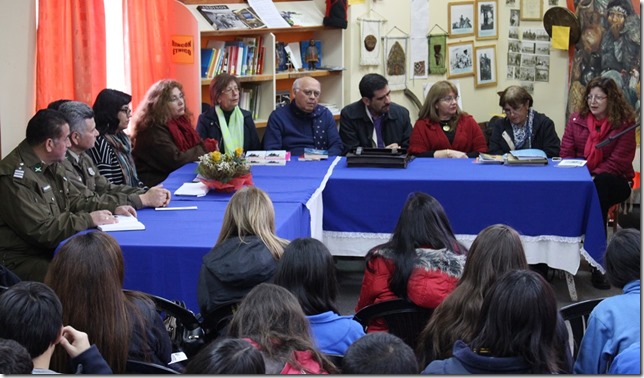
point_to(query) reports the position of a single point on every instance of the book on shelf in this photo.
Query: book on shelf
(282, 98)
(293, 54)
(300, 14)
(124, 223)
(280, 56)
(317, 45)
(531, 156)
(250, 18)
(221, 17)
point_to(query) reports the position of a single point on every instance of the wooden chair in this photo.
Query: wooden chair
(403, 318)
(215, 323)
(576, 316)
(140, 367)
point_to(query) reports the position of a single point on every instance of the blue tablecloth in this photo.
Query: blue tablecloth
(535, 200)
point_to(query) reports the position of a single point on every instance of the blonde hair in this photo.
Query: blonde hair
(435, 94)
(250, 213)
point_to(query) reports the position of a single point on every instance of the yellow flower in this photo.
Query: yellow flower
(215, 156)
(238, 151)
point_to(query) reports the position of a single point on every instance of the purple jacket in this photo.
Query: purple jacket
(618, 155)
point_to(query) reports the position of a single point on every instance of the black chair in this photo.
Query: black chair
(140, 367)
(215, 323)
(336, 359)
(403, 318)
(576, 315)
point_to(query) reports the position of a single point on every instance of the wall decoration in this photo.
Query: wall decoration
(459, 59)
(485, 61)
(395, 59)
(461, 19)
(437, 52)
(486, 19)
(371, 43)
(531, 10)
(418, 29)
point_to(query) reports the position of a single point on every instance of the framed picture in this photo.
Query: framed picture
(486, 19)
(531, 10)
(485, 61)
(460, 60)
(461, 19)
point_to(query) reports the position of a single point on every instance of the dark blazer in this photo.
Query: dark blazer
(356, 128)
(544, 136)
(208, 127)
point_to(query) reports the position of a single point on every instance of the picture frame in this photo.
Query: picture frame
(485, 63)
(460, 60)
(461, 19)
(531, 10)
(486, 19)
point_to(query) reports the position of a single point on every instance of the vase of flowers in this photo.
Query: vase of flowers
(224, 172)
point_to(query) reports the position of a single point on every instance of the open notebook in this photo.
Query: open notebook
(125, 223)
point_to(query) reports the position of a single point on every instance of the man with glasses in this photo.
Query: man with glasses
(374, 121)
(303, 123)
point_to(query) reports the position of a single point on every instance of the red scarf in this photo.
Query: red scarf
(184, 135)
(593, 155)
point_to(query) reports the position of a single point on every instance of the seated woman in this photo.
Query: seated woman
(246, 252)
(227, 356)
(112, 151)
(225, 121)
(614, 324)
(522, 127)
(421, 262)
(163, 137)
(87, 275)
(443, 130)
(271, 319)
(307, 270)
(515, 333)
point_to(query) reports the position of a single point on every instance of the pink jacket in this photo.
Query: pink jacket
(427, 136)
(618, 155)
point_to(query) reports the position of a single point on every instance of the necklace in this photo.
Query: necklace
(446, 126)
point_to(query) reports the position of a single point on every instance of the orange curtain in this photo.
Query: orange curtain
(148, 25)
(70, 50)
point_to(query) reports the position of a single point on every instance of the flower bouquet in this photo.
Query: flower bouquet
(223, 172)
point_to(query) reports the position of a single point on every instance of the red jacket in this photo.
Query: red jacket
(432, 280)
(428, 135)
(618, 155)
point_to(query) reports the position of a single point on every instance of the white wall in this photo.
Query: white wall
(549, 98)
(17, 70)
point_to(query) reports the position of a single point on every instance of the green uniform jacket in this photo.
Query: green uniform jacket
(84, 174)
(39, 208)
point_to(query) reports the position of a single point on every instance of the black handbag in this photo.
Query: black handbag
(378, 157)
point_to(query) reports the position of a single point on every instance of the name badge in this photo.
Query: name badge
(46, 188)
(90, 170)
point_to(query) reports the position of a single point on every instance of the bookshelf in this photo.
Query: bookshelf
(268, 83)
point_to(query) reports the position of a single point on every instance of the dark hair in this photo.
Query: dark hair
(219, 83)
(515, 96)
(496, 250)
(519, 318)
(45, 124)
(55, 105)
(271, 316)
(76, 113)
(618, 109)
(15, 358)
(379, 353)
(107, 105)
(422, 223)
(227, 356)
(32, 315)
(307, 270)
(622, 257)
(371, 83)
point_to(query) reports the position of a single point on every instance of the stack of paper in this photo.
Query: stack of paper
(530, 156)
(195, 189)
(124, 223)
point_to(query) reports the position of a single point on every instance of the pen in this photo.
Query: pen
(177, 208)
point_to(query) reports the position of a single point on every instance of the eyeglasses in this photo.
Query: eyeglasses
(310, 92)
(509, 111)
(449, 99)
(592, 98)
(230, 89)
(175, 98)
(126, 110)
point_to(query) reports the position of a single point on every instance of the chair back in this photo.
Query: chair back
(576, 317)
(403, 318)
(215, 323)
(140, 367)
(336, 359)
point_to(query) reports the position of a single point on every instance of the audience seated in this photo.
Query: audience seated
(163, 136)
(379, 353)
(522, 127)
(443, 130)
(7, 277)
(421, 262)
(15, 358)
(87, 274)
(271, 319)
(614, 324)
(246, 252)
(32, 315)
(227, 356)
(627, 361)
(231, 126)
(308, 271)
(515, 333)
(303, 123)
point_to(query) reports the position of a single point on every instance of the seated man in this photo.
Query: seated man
(39, 206)
(85, 175)
(374, 121)
(32, 315)
(379, 353)
(15, 358)
(303, 123)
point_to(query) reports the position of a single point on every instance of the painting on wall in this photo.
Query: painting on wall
(461, 19)
(460, 61)
(485, 62)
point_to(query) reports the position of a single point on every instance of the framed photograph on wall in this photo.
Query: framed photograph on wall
(460, 61)
(461, 19)
(531, 10)
(485, 61)
(486, 19)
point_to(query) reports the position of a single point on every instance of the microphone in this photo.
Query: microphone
(616, 136)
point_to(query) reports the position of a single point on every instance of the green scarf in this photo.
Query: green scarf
(232, 135)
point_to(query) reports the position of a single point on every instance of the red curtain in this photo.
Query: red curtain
(148, 26)
(70, 45)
